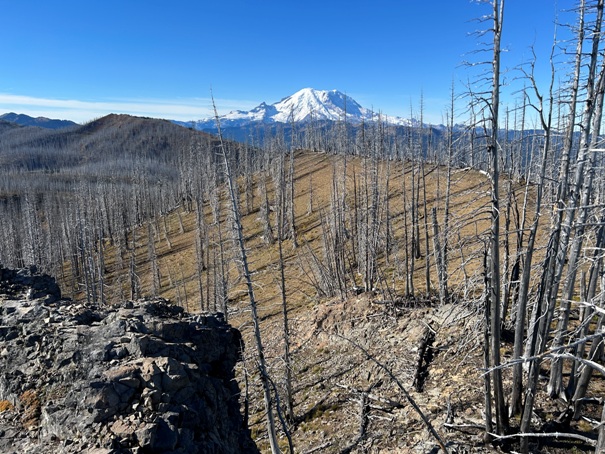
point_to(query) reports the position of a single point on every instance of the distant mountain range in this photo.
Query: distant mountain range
(323, 107)
(41, 122)
(304, 106)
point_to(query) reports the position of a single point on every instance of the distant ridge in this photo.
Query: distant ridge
(8, 125)
(106, 148)
(41, 122)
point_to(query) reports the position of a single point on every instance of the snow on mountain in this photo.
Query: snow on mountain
(303, 106)
(309, 104)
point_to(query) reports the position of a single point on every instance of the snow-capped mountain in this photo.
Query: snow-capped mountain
(309, 104)
(303, 106)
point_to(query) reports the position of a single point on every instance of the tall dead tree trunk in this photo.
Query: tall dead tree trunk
(448, 190)
(287, 357)
(408, 255)
(494, 255)
(522, 303)
(291, 211)
(555, 385)
(579, 387)
(152, 256)
(557, 250)
(260, 350)
(439, 260)
(427, 258)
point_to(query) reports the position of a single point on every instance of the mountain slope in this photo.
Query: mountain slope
(111, 148)
(42, 122)
(7, 126)
(111, 137)
(329, 373)
(304, 106)
(309, 104)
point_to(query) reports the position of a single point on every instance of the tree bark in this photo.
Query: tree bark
(262, 368)
(494, 253)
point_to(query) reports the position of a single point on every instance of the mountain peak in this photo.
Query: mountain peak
(306, 105)
(310, 104)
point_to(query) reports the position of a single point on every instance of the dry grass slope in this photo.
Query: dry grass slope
(330, 373)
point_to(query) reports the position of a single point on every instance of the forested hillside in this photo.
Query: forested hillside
(64, 191)
(381, 230)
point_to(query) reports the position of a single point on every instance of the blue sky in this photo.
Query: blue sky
(80, 60)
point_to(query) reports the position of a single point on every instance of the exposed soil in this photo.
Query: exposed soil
(335, 379)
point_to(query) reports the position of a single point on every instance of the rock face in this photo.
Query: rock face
(141, 377)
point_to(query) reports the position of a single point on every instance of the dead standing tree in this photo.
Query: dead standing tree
(281, 207)
(492, 306)
(581, 196)
(522, 303)
(557, 252)
(262, 368)
(489, 103)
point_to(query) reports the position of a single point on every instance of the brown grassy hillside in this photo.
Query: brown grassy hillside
(331, 374)
(175, 234)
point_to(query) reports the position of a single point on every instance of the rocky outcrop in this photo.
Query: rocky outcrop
(140, 377)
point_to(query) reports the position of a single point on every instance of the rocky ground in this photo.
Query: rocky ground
(146, 377)
(377, 361)
(358, 364)
(140, 377)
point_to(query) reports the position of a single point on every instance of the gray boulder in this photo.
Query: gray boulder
(139, 377)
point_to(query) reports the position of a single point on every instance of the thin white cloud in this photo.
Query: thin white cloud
(82, 111)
